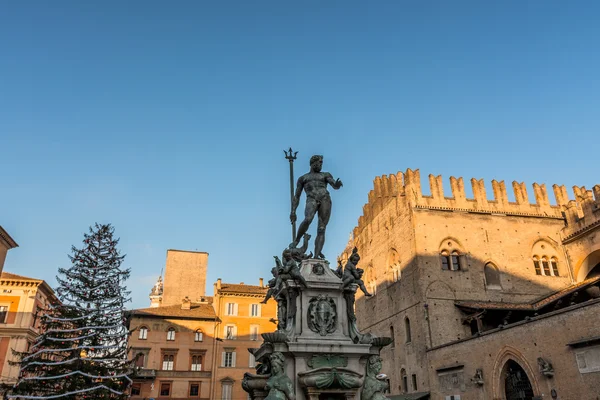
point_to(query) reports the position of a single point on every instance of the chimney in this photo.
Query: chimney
(260, 282)
(219, 284)
(186, 304)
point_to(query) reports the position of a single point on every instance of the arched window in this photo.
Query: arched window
(554, 265)
(143, 333)
(171, 334)
(492, 276)
(404, 378)
(545, 257)
(455, 261)
(168, 362)
(445, 261)
(451, 254)
(198, 335)
(545, 266)
(196, 363)
(537, 265)
(407, 330)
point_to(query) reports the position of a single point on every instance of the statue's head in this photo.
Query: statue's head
(277, 363)
(316, 163)
(373, 365)
(287, 254)
(354, 257)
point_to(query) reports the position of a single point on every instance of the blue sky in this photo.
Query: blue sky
(169, 119)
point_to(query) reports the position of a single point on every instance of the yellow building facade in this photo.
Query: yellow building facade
(21, 299)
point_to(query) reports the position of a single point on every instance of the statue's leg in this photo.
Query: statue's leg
(309, 215)
(362, 286)
(324, 214)
(268, 296)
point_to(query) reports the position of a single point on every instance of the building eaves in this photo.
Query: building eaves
(196, 311)
(531, 306)
(242, 289)
(6, 237)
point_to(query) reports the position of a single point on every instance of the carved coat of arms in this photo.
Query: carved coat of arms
(322, 315)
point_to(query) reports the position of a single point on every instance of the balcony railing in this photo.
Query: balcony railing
(144, 373)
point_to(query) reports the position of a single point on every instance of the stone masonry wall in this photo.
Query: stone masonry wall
(547, 337)
(185, 275)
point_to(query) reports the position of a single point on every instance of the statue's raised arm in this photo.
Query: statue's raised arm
(318, 202)
(334, 184)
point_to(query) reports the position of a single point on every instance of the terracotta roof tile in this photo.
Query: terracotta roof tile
(8, 275)
(196, 311)
(245, 289)
(532, 306)
(544, 301)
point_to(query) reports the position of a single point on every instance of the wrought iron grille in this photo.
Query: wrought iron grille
(516, 383)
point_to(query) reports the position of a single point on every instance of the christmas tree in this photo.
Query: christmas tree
(82, 350)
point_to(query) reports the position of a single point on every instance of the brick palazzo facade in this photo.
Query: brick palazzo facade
(485, 299)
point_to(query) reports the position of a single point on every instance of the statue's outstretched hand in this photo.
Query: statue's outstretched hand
(292, 217)
(338, 184)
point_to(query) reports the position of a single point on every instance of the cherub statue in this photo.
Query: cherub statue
(274, 285)
(339, 272)
(282, 271)
(289, 266)
(352, 274)
(279, 385)
(375, 384)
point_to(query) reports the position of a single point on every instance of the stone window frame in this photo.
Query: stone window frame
(171, 355)
(231, 309)
(4, 311)
(196, 366)
(138, 386)
(545, 265)
(145, 352)
(394, 264)
(171, 334)
(169, 384)
(490, 265)
(194, 383)
(233, 332)
(252, 308)
(229, 394)
(224, 359)
(452, 255)
(545, 255)
(143, 335)
(403, 380)
(407, 330)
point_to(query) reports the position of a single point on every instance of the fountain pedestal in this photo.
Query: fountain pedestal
(317, 350)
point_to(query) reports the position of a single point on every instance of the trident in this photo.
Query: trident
(291, 156)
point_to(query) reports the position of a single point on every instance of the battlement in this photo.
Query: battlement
(578, 213)
(583, 212)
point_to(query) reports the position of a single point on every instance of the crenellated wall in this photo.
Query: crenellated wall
(583, 212)
(579, 213)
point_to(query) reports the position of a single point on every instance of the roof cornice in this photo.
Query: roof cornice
(10, 241)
